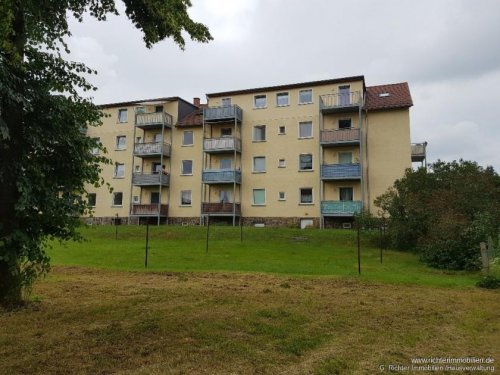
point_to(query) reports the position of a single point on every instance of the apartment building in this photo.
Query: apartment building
(303, 154)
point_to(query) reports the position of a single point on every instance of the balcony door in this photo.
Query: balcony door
(345, 157)
(225, 163)
(156, 168)
(155, 197)
(346, 194)
(344, 95)
(157, 138)
(225, 196)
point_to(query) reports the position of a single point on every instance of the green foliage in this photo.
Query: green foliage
(45, 158)
(444, 212)
(489, 282)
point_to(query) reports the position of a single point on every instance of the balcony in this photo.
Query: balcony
(151, 149)
(340, 137)
(221, 176)
(150, 209)
(418, 151)
(223, 114)
(341, 102)
(153, 120)
(150, 179)
(341, 208)
(220, 208)
(341, 171)
(221, 145)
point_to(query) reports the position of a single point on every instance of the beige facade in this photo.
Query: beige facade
(309, 153)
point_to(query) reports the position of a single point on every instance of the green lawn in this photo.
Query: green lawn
(278, 251)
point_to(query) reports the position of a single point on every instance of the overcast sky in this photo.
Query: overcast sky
(447, 50)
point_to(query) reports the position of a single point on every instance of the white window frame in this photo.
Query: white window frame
(120, 119)
(253, 197)
(282, 94)
(184, 138)
(113, 197)
(312, 97)
(190, 198)
(281, 163)
(117, 169)
(303, 123)
(282, 196)
(300, 196)
(182, 168)
(136, 199)
(282, 130)
(300, 162)
(264, 132)
(253, 164)
(260, 96)
(117, 143)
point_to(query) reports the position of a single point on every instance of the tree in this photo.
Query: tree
(444, 212)
(45, 158)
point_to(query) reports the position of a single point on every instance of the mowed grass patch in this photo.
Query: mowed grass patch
(309, 252)
(90, 321)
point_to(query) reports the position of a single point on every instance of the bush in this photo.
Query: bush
(489, 282)
(452, 255)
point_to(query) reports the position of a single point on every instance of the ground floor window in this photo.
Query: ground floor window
(306, 195)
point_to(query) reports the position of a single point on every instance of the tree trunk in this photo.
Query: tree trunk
(10, 286)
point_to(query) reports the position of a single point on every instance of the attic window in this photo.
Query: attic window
(384, 94)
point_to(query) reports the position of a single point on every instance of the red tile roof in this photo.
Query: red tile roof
(396, 95)
(193, 119)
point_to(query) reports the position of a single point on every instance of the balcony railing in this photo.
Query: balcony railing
(227, 113)
(341, 208)
(150, 209)
(340, 136)
(150, 179)
(221, 176)
(151, 149)
(220, 208)
(341, 171)
(340, 101)
(418, 151)
(222, 144)
(153, 119)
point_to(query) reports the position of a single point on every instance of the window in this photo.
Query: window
(345, 95)
(187, 167)
(117, 199)
(186, 197)
(306, 195)
(282, 99)
(138, 139)
(282, 130)
(226, 102)
(281, 163)
(281, 196)
(95, 150)
(345, 123)
(345, 157)
(119, 170)
(259, 133)
(225, 196)
(226, 132)
(156, 167)
(260, 101)
(305, 162)
(306, 96)
(259, 196)
(158, 108)
(187, 138)
(122, 115)
(137, 169)
(158, 137)
(259, 164)
(305, 129)
(92, 199)
(121, 142)
(136, 199)
(225, 163)
(346, 194)
(140, 110)
(155, 197)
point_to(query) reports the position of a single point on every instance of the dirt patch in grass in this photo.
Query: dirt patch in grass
(86, 321)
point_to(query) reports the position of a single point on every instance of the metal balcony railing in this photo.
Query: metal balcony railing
(222, 144)
(418, 151)
(150, 209)
(341, 208)
(340, 100)
(152, 149)
(150, 179)
(226, 113)
(221, 176)
(220, 208)
(351, 171)
(340, 136)
(153, 119)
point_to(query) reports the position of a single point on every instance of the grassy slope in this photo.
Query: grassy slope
(93, 321)
(270, 250)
